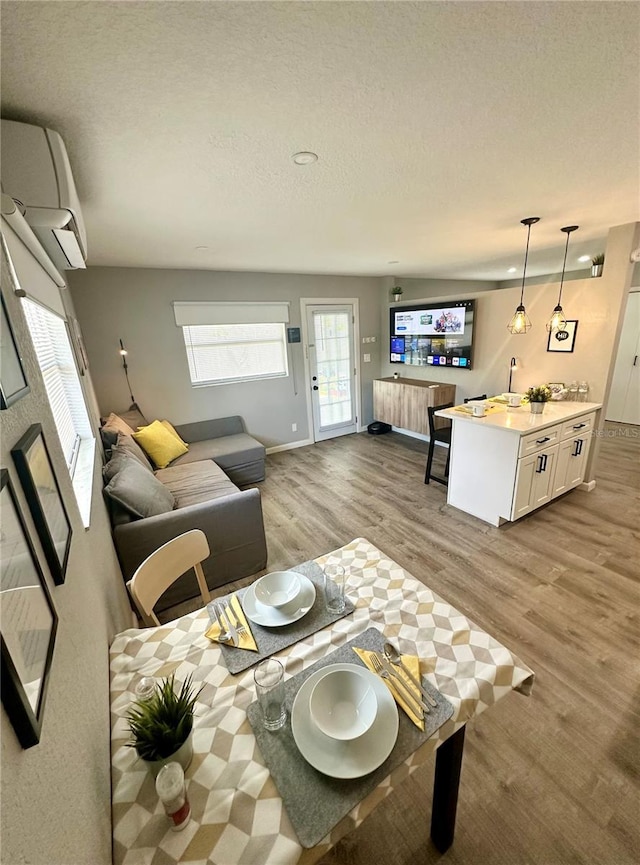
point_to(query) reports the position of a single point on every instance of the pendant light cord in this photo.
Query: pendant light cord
(123, 353)
(564, 264)
(526, 255)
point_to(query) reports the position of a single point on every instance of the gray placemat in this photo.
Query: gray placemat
(271, 640)
(314, 802)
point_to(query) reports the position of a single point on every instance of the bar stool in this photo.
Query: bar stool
(441, 434)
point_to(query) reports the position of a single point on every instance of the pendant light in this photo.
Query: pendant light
(557, 320)
(520, 322)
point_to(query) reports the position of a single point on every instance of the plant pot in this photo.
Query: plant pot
(397, 298)
(596, 269)
(537, 407)
(183, 755)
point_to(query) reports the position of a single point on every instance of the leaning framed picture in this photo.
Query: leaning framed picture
(13, 382)
(44, 499)
(29, 622)
(563, 340)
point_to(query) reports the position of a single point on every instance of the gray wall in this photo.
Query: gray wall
(56, 795)
(135, 304)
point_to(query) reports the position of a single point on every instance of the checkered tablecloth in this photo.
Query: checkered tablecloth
(237, 814)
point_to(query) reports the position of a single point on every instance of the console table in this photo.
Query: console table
(403, 402)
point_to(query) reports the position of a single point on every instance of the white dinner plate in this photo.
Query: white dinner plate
(352, 758)
(270, 617)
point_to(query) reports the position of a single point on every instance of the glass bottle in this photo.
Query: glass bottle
(573, 391)
(583, 391)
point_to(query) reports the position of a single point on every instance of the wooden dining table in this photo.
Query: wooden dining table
(237, 813)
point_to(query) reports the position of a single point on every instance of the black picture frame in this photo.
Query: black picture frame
(29, 622)
(14, 383)
(45, 501)
(558, 342)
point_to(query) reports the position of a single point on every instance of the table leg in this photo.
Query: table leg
(445, 790)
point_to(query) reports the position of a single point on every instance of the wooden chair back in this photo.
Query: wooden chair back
(163, 567)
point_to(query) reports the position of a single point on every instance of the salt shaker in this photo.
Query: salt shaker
(171, 789)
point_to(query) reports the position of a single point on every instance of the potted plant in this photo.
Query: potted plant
(397, 293)
(537, 397)
(161, 725)
(597, 263)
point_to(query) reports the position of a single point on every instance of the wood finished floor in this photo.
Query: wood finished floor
(548, 780)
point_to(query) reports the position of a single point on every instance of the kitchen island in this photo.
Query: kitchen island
(510, 462)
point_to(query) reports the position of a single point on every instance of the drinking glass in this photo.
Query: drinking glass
(333, 587)
(269, 678)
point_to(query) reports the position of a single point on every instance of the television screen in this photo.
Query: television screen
(433, 334)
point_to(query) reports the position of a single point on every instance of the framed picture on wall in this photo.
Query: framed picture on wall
(563, 340)
(13, 384)
(29, 622)
(44, 499)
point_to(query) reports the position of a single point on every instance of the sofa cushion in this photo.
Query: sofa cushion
(126, 444)
(137, 490)
(227, 452)
(170, 428)
(159, 444)
(118, 462)
(194, 483)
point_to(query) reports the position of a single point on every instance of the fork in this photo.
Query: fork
(240, 628)
(416, 708)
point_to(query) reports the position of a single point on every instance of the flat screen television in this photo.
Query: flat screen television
(433, 334)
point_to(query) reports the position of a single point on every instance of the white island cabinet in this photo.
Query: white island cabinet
(510, 462)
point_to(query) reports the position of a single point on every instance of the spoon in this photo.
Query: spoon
(393, 656)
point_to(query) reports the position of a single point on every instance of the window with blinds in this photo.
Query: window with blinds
(52, 346)
(220, 353)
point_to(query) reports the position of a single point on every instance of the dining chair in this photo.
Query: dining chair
(438, 434)
(474, 398)
(163, 567)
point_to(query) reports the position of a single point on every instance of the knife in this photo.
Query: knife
(232, 628)
(388, 666)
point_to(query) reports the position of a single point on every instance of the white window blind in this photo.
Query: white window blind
(219, 353)
(192, 312)
(52, 346)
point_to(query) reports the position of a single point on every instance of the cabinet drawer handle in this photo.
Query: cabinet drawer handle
(542, 441)
(578, 443)
(579, 425)
(542, 464)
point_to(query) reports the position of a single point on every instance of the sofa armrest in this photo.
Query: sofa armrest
(202, 430)
(233, 525)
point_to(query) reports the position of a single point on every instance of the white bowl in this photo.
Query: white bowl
(343, 705)
(277, 589)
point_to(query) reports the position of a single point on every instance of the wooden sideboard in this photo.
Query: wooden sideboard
(403, 402)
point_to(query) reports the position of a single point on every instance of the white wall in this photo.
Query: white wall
(135, 304)
(55, 797)
(596, 304)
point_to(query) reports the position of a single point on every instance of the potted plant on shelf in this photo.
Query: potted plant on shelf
(538, 397)
(397, 293)
(161, 725)
(597, 263)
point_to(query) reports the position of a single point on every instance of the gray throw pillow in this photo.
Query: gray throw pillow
(138, 491)
(118, 462)
(126, 444)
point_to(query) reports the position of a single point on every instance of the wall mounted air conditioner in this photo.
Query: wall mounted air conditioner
(36, 173)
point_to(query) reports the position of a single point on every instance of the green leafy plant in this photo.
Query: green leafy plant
(541, 393)
(396, 291)
(160, 724)
(598, 259)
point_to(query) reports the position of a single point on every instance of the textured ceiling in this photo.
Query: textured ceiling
(438, 127)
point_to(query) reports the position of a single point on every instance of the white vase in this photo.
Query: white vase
(183, 755)
(537, 407)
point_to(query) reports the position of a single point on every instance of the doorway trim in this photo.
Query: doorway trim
(331, 301)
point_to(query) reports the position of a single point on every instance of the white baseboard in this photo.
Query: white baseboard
(415, 435)
(588, 486)
(289, 446)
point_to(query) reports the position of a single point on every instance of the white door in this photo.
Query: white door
(332, 373)
(624, 398)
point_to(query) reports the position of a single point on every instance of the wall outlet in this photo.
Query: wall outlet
(294, 427)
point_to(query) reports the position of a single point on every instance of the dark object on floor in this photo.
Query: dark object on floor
(378, 427)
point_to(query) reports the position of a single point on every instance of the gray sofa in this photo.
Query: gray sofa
(197, 490)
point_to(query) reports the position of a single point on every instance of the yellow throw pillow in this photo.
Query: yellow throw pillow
(167, 425)
(159, 444)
